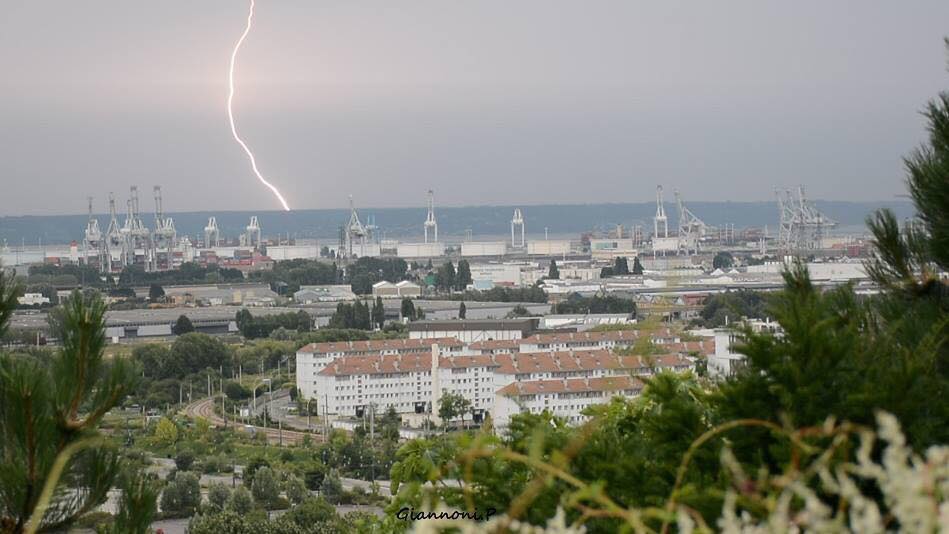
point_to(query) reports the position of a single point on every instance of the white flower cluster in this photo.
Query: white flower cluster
(914, 490)
(555, 525)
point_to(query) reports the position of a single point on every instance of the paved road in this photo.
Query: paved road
(205, 408)
(350, 483)
(279, 411)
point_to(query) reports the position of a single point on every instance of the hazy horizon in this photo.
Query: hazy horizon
(494, 103)
(406, 223)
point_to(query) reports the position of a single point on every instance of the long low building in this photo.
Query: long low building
(411, 375)
(469, 330)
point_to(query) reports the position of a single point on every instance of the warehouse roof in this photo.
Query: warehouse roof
(525, 325)
(380, 346)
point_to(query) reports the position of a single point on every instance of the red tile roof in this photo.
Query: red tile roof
(571, 385)
(378, 364)
(380, 345)
(597, 337)
(505, 345)
(540, 362)
(586, 360)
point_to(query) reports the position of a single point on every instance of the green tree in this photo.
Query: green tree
(166, 432)
(304, 321)
(378, 313)
(419, 461)
(153, 358)
(155, 293)
(637, 266)
(344, 316)
(250, 470)
(265, 488)
(312, 512)
(620, 266)
(332, 487)
(732, 306)
(182, 326)
(452, 405)
(723, 260)
(218, 495)
(184, 460)
(197, 352)
(182, 495)
(50, 410)
(138, 505)
(445, 277)
(296, 490)
(595, 304)
(553, 272)
(236, 391)
(462, 310)
(235, 523)
(408, 309)
(463, 276)
(244, 320)
(362, 318)
(241, 501)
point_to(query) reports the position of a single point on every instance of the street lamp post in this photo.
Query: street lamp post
(254, 393)
(270, 404)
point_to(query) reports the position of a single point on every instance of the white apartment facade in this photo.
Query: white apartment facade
(410, 376)
(724, 361)
(313, 358)
(567, 398)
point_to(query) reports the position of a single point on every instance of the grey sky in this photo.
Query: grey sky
(491, 101)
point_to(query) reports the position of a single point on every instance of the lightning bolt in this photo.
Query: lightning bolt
(230, 110)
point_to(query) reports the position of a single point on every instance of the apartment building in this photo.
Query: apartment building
(397, 374)
(313, 358)
(565, 397)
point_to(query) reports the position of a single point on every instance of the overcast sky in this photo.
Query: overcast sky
(491, 101)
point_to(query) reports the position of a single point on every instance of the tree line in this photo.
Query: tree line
(621, 267)
(252, 327)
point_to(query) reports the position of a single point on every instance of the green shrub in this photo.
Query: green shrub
(184, 460)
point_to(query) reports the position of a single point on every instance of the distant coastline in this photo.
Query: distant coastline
(406, 223)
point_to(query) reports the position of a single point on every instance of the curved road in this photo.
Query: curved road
(205, 408)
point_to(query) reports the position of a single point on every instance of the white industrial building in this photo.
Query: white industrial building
(819, 271)
(609, 248)
(293, 252)
(584, 321)
(324, 293)
(548, 247)
(402, 289)
(470, 330)
(420, 250)
(498, 273)
(579, 272)
(483, 248)
(665, 245)
(367, 250)
(32, 299)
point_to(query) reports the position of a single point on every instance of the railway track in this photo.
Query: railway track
(205, 409)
